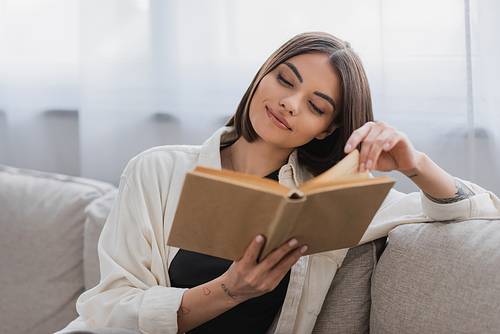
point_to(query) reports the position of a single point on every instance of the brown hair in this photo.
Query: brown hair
(355, 108)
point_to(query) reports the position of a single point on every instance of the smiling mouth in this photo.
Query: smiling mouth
(277, 119)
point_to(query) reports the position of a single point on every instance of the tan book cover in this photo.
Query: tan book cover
(220, 211)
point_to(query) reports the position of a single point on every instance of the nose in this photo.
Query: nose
(291, 105)
(286, 110)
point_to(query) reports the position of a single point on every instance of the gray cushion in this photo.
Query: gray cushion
(346, 308)
(41, 247)
(439, 278)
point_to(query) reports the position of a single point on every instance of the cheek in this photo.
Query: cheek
(267, 88)
(262, 93)
(312, 128)
(313, 125)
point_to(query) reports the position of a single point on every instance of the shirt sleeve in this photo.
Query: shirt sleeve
(133, 292)
(483, 203)
(399, 208)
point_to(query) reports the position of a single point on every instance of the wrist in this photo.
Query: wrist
(430, 178)
(418, 168)
(228, 291)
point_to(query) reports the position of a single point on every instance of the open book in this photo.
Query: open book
(220, 212)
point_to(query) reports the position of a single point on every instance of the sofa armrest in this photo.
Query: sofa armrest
(41, 247)
(439, 278)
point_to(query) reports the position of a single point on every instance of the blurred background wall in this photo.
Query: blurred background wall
(85, 85)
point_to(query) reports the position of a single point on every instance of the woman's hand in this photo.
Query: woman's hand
(247, 279)
(383, 148)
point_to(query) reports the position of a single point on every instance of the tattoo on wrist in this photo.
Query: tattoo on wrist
(461, 194)
(413, 175)
(185, 310)
(229, 293)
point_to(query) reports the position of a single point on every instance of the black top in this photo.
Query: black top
(189, 269)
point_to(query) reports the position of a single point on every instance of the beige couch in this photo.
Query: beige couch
(431, 278)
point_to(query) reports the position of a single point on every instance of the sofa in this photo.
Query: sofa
(442, 277)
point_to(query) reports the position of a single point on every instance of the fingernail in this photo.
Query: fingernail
(292, 242)
(347, 148)
(362, 167)
(369, 164)
(303, 249)
(386, 146)
(259, 239)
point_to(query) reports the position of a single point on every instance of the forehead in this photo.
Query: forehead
(312, 64)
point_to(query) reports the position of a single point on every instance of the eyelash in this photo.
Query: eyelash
(280, 78)
(316, 109)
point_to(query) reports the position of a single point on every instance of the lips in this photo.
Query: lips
(277, 119)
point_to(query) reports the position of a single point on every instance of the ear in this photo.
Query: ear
(329, 130)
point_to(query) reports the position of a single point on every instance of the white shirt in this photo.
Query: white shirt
(135, 291)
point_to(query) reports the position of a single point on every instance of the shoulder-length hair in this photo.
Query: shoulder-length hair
(355, 107)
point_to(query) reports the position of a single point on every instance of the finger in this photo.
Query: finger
(253, 250)
(357, 137)
(368, 145)
(379, 144)
(393, 140)
(269, 278)
(278, 254)
(399, 139)
(279, 271)
(290, 259)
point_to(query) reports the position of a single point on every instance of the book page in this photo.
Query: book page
(344, 171)
(252, 181)
(343, 184)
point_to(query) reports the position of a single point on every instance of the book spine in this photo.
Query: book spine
(282, 225)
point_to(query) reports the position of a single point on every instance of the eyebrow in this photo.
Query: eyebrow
(326, 97)
(294, 69)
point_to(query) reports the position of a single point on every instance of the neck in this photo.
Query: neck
(257, 158)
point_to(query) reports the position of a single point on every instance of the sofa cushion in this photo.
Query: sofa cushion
(346, 308)
(439, 278)
(41, 247)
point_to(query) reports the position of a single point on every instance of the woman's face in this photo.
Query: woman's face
(296, 102)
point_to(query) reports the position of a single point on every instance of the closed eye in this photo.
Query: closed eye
(280, 78)
(316, 109)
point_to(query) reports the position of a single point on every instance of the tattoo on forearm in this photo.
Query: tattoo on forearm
(229, 293)
(185, 310)
(461, 194)
(206, 291)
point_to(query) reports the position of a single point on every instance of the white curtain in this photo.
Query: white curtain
(86, 85)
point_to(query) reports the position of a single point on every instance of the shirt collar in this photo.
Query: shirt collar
(210, 150)
(293, 174)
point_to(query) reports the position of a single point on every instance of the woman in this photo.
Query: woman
(306, 108)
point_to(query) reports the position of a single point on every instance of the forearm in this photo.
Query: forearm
(203, 303)
(435, 183)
